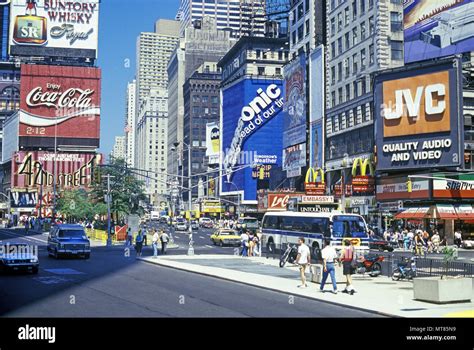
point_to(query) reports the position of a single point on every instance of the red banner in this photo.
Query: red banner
(315, 188)
(363, 184)
(60, 101)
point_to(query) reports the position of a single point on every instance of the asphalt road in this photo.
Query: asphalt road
(112, 284)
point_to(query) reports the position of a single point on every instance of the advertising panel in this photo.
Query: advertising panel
(294, 157)
(57, 28)
(279, 201)
(418, 117)
(36, 170)
(251, 133)
(295, 103)
(316, 86)
(437, 28)
(391, 189)
(61, 102)
(213, 143)
(461, 188)
(316, 139)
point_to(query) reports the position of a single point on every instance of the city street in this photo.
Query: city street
(110, 284)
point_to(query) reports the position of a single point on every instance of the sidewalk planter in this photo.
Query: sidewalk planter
(442, 291)
(317, 275)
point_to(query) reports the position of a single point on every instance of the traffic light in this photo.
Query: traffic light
(409, 186)
(96, 175)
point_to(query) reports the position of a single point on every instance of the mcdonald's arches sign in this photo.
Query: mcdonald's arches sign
(311, 185)
(362, 182)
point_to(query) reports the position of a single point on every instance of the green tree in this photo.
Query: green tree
(125, 189)
(76, 205)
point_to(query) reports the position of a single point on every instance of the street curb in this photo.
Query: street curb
(272, 289)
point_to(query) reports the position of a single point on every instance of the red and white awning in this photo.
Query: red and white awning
(465, 211)
(413, 213)
(446, 212)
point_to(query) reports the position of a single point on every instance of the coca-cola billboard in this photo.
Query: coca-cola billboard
(60, 102)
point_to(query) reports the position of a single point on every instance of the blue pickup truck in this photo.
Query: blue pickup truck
(68, 240)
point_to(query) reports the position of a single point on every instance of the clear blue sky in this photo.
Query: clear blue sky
(121, 21)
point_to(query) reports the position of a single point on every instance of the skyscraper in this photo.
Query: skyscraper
(244, 17)
(118, 152)
(130, 123)
(153, 53)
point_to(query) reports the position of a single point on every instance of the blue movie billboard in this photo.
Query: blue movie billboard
(316, 145)
(437, 28)
(252, 132)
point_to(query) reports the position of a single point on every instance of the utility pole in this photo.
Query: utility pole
(108, 200)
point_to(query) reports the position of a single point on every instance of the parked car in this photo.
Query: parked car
(226, 237)
(68, 240)
(181, 225)
(206, 223)
(18, 257)
(377, 242)
(249, 223)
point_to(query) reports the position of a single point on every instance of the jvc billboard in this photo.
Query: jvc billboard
(419, 121)
(437, 28)
(252, 133)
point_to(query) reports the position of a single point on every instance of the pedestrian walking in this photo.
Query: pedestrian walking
(251, 243)
(129, 240)
(303, 259)
(330, 257)
(164, 238)
(244, 238)
(27, 225)
(458, 238)
(347, 257)
(139, 244)
(154, 244)
(435, 240)
(145, 239)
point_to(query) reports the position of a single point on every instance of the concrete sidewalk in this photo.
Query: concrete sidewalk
(380, 295)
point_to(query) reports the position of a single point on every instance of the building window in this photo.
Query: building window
(293, 37)
(362, 31)
(307, 31)
(261, 70)
(333, 75)
(205, 99)
(339, 92)
(348, 92)
(214, 100)
(300, 32)
(278, 71)
(371, 25)
(339, 21)
(354, 36)
(346, 16)
(396, 48)
(196, 99)
(347, 40)
(354, 9)
(396, 24)
(363, 60)
(333, 50)
(333, 98)
(333, 26)
(347, 67)
(396, 2)
(306, 6)
(355, 88)
(300, 11)
(294, 17)
(363, 86)
(339, 71)
(339, 46)
(371, 4)
(371, 55)
(354, 64)
(362, 7)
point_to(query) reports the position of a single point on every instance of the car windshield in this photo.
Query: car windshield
(349, 226)
(227, 233)
(71, 233)
(251, 223)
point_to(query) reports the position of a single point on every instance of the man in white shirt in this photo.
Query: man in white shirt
(244, 239)
(457, 238)
(155, 238)
(303, 259)
(330, 257)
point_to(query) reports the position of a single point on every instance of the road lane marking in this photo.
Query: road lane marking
(65, 271)
(208, 246)
(52, 280)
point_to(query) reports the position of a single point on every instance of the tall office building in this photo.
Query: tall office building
(153, 53)
(151, 140)
(364, 36)
(119, 150)
(307, 26)
(201, 44)
(130, 123)
(241, 18)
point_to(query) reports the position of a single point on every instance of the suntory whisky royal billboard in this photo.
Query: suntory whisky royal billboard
(57, 28)
(62, 102)
(418, 115)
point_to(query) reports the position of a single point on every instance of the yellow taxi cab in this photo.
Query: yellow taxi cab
(225, 236)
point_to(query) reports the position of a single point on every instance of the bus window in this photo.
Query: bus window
(349, 226)
(271, 222)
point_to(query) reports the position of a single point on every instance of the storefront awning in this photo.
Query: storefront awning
(413, 213)
(465, 211)
(446, 212)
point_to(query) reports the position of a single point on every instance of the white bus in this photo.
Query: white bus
(282, 228)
